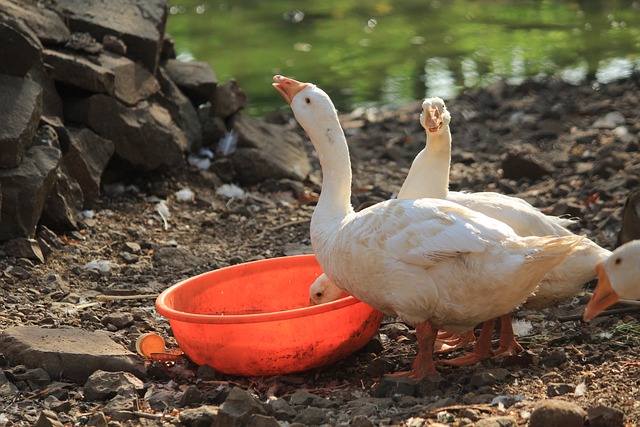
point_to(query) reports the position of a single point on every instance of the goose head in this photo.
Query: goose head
(324, 290)
(618, 277)
(435, 115)
(309, 104)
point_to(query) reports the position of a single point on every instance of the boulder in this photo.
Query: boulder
(196, 79)
(20, 108)
(144, 135)
(86, 158)
(133, 82)
(22, 247)
(78, 71)
(25, 190)
(267, 151)
(228, 99)
(64, 203)
(45, 23)
(19, 47)
(68, 353)
(140, 25)
(51, 101)
(181, 109)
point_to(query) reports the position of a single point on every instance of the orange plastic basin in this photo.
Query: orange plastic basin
(255, 318)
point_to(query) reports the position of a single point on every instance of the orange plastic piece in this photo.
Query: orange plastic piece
(149, 343)
(255, 319)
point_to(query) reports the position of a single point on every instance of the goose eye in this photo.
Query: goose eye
(618, 261)
(307, 100)
(318, 294)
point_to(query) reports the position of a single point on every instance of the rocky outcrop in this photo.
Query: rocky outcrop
(89, 87)
(20, 108)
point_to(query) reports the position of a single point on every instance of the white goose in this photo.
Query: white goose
(429, 177)
(618, 277)
(433, 263)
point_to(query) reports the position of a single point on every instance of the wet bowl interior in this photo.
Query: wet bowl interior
(255, 318)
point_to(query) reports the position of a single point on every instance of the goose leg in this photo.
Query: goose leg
(447, 341)
(423, 364)
(508, 343)
(482, 349)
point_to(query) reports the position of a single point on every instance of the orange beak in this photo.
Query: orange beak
(434, 119)
(603, 296)
(287, 87)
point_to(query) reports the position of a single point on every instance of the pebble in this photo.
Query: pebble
(311, 416)
(554, 359)
(559, 389)
(498, 422)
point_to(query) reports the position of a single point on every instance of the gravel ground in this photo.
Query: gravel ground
(576, 152)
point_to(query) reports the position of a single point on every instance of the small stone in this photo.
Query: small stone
(481, 379)
(379, 366)
(103, 385)
(119, 320)
(238, 408)
(394, 386)
(525, 164)
(206, 373)
(555, 412)
(311, 416)
(361, 421)
(129, 258)
(132, 247)
(558, 389)
(48, 419)
(430, 386)
(191, 396)
(259, 420)
(281, 410)
(202, 416)
(497, 422)
(37, 378)
(554, 359)
(97, 420)
(395, 330)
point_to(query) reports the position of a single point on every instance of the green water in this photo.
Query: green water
(384, 53)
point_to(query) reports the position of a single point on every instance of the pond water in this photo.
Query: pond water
(380, 53)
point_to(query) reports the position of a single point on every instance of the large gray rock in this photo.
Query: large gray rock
(139, 24)
(51, 101)
(144, 135)
(196, 79)
(45, 23)
(181, 109)
(76, 70)
(20, 108)
(86, 158)
(64, 203)
(133, 82)
(267, 151)
(25, 190)
(19, 47)
(69, 353)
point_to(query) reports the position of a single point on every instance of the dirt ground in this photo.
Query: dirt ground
(592, 171)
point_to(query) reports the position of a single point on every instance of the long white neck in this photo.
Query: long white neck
(429, 172)
(333, 153)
